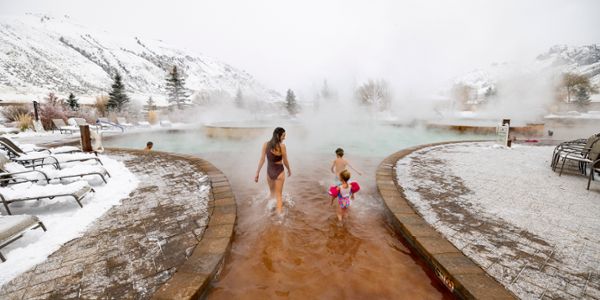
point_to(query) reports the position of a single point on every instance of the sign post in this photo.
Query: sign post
(503, 133)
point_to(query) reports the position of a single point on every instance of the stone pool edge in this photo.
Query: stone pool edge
(192, 278)
(463, 277)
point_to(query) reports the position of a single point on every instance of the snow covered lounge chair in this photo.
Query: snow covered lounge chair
(81, 121)
(57, 150)
(61, 126)
(36, 159)
(78, 190)
(143, 123)
(166, 123)
(123, 122)
(12, 173)
(13, 227)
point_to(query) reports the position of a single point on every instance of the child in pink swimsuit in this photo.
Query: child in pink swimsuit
(344, 195)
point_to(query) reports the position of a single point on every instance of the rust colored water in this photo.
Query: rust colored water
(307, 254)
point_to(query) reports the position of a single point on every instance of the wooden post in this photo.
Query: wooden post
(86, 140)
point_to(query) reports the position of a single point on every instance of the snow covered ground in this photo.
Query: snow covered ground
(63, 218)
(535, 232)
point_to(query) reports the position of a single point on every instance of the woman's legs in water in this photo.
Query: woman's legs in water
(279, 191)
(271, 183)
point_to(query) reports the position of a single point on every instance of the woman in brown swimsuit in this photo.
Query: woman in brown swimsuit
(276, 154)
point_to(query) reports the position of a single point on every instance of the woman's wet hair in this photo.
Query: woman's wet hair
(276, 139)
(345, 175)
(339, 152)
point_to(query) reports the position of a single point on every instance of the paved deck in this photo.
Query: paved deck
(135, 247)
(534, 232)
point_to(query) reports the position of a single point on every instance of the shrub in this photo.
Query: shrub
(152, 117)
(24, 121)
(11, 113)
(48, 112)
(101, 105)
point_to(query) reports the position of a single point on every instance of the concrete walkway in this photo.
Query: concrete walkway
(135, 247)
(533, 231)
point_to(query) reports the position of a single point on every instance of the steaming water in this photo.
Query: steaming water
(306, 253)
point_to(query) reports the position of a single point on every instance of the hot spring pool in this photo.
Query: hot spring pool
(306, 254)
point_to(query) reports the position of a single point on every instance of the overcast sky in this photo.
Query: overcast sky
(297, 44)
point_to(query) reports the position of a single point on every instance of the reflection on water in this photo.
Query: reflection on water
(306, 254)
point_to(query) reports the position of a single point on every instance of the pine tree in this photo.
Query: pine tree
(290, 103)
(117, 97)
(73, 102)
(150, 104)
(239, 99)
(176, 92)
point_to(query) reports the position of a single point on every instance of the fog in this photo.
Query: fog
(417, 47)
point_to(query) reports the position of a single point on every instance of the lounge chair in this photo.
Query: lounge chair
(13, 227)
(36, 159)
(61, 126)
(11, 173)
(105, 124)
(80, 122)
(28, 191)
(57, 150)
(579, 155)
(123, 122)
(143, 123)
(594, 167)
(594, 163)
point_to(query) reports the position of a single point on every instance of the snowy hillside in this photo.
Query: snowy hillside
(584, 60)
(40, 54)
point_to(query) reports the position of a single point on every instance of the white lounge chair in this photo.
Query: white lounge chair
(35, 159)
(28, 191)
(13, 227)
(61, 126)
(56, 150)
(81, 121)
(143, 123)
(11, 173)
(123, 122)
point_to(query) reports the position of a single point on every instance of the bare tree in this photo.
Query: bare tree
(375, 93)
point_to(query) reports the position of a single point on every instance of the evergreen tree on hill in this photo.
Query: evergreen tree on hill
(290, 103)
(117, 97)
(73, 102)
(177, 94)
(239, 99)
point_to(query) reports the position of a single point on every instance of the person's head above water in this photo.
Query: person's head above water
(339, 152)
(278, 137)
(344, 176)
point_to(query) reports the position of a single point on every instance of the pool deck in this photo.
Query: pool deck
(495, 222)
(163, 242)
(463, 277)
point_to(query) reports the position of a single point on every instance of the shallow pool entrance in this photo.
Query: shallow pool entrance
(306, 254)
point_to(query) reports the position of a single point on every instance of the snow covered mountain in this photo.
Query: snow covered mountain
(584, 60)
(41, 54)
